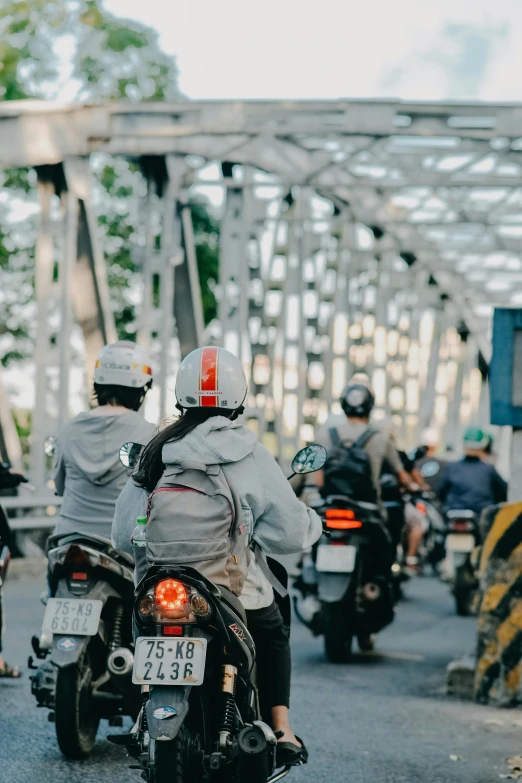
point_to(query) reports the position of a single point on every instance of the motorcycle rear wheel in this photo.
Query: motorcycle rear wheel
(464, 590)
(175, 761)
(337, 635)
(76, 724)
(464, 602)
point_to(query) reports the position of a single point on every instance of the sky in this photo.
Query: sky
(412, 49)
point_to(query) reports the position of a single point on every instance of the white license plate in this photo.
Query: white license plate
(336, 559)
(72, 616)
(460, 542)
(176, 661)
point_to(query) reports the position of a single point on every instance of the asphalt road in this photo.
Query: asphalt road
(382, 719)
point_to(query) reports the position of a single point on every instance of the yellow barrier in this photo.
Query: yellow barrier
(498, 675)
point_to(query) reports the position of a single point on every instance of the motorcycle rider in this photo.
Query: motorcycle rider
(472, 482)
(357, 402)
(9, 479)
(89, 474)
(431, 466)
(413, 521)
(210, 389)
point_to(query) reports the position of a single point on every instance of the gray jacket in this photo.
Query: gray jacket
(89, 473)
(275, 519)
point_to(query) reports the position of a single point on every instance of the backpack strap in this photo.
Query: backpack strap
(361, 442)
(334, 436)
(266, 571)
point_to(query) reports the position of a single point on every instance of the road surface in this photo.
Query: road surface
(382, 719)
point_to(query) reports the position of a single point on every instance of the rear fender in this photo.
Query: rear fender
(333, 587)
(166, 710)
(67, 650)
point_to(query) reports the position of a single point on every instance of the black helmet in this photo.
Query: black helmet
(357, 401)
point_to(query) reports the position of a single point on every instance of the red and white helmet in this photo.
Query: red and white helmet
(211, 377)
(123, 364)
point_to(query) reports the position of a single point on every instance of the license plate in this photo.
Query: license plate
(169, 661)
(336, 559)
(72, 616)
(460, 542)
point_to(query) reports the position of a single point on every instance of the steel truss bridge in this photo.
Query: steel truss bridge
(356, 236)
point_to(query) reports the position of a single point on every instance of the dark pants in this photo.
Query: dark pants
(273, 657)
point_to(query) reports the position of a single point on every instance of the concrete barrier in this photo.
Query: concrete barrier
(498, 673)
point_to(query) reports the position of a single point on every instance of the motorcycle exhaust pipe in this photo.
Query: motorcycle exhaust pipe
(371, 591)
(120, 662)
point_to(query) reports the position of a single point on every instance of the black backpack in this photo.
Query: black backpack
(348, 469)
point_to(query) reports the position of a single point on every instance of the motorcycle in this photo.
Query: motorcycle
(201, 718)
(432, 549)
(87, 641)
(461, 539)
(5, 558)
(352, 578)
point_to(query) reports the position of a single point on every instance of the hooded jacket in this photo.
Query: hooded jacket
(89, 473)
(275, 519)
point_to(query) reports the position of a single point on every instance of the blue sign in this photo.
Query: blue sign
(163, 713)
(67, 644)
(505, 372)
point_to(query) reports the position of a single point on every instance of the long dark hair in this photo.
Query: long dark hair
(151, 465)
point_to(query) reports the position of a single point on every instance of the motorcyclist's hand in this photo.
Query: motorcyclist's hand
(12, 478)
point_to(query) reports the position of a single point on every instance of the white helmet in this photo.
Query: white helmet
(123, 364)
(211, 377)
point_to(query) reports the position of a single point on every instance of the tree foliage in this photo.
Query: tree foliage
(105, 59)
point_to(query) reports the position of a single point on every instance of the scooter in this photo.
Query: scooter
(461, 539)
(5, 558)
(432, 549)
(201, 719)
(353, 587)
(85, 641)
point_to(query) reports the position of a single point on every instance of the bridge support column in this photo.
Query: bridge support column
(427, 395)
(233, 266)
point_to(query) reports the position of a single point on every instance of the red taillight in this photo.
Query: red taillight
(76, 555)
(461, 526)
(343, 524)
(171, 598)
(421, 507)
(79, 576)
(173, 630)
(340, 513)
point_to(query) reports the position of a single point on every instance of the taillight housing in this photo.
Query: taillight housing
(171, 600)
(461, 525)
(75, 555)
(342, 519)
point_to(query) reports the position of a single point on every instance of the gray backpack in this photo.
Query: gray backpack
(194, 519)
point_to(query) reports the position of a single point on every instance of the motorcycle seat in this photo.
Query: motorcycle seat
(332, 500)
(97, 542)
(233, 601)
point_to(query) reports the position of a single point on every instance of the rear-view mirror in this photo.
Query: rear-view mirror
(309, 459)
(50, 446)
(130, 454)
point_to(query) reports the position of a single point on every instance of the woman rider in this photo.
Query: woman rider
(210, 390)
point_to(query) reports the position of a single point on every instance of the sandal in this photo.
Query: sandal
(9, 673)
(290, 755)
